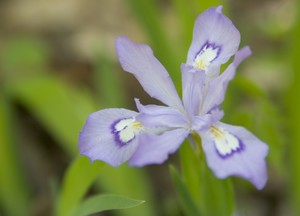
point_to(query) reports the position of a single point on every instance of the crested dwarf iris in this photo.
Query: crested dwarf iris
(148, 136)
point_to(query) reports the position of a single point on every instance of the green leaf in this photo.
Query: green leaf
(105, 202)
(265, 124)
(293, 106)
(268, 128)
(130, 181)
(188, 205)
(13, 187)
(77, 180)
(60, 109)
(108, 83)
(190, 171)
(186, 13)
(213, 196)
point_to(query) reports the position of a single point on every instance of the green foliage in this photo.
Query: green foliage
(186, 200)
(132, 182)
(53, 104)
(61, 109)
(109, 86)
(212, 196)
(147, 12)
(105, 202)
(13, 186)
(293, 105)
(267, 127)
(77, 180)
(23, 56)
(79, 177)
(186, 13)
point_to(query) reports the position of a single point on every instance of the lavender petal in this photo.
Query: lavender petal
(247, 160)
(160, 116)
(214, 29)
(192, 88)
(154, 149)
(98, 141)
(139, 60)
(217, 87)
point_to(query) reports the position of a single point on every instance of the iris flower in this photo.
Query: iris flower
(148, 136)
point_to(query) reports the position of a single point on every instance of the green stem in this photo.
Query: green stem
(294, 119)
(213, 196)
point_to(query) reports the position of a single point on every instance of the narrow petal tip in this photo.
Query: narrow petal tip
(219, 9)
(241, 55)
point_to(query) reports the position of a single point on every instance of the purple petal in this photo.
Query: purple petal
(244, 156)
(160, 116)
(217, 87)
(202, 122)
(98, 141)
(139, 60)
(192, 88)
(214, 32)
(154, 149)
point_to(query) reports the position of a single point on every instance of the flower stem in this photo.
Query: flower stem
(213, 196)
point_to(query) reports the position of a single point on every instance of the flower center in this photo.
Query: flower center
(125, 130)
(226, 143)
(206, 55)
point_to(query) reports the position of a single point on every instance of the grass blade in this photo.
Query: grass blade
(13, 187)
(77, 180)
(188, 205)
(105, 202)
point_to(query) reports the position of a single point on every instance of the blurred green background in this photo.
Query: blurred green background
(58, 64)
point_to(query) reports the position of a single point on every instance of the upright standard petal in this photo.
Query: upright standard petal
(110, 135)
(160, 116)
(193, 81)
(217, 87)
(215, 39)
(234, 151)
(139, 60)
(154, 149)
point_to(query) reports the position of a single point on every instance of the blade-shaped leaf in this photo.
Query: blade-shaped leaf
(60, 109)
(13, 187)
(130, 181)
(77, 180)
(109, 83)
(188, 205)
(213, 196)
(293, 105)
(105, 202)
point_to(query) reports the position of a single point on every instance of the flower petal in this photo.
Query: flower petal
(154, 149)
(98, 141)
(215, 39)
(217, 87)
(139, 60)
(202, 122)
(242, 154)
(160, 116)
(193, 81)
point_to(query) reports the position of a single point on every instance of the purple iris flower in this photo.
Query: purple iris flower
(155, 131)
